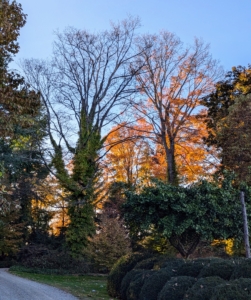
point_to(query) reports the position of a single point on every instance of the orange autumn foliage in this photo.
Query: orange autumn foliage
(129, 158)
(133, 156)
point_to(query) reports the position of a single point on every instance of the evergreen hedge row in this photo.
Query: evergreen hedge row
(146, 277)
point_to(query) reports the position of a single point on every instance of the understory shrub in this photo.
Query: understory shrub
(204, 288)
(136, 284)
(120, 269)
(110, 244)
(242, 270)
(239, 289)
(45, 259)
(154, 284)
(176, 288)
(223, 269)
(7, 263)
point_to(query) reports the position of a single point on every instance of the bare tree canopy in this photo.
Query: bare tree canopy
(89, 77)
(172, 83)
(84, 88)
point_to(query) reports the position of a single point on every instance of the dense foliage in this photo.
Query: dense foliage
(184, 215)
(121, 267)
(178, 283)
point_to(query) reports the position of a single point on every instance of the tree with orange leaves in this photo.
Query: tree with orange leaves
(193, 159)
(172, 84)
(128, 158)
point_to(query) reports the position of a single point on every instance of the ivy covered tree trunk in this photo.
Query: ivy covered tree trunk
(81, 184)
(82, 88)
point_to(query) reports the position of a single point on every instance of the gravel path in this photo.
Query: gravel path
(15, 288)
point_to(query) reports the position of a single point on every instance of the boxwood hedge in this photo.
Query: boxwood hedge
(204, 288)
(154, 284)
(120, 269)
(194, 267)
(242, 270)
(126, 282)
(136, 284)
(176, 287)
(223, 269)
(233, 290)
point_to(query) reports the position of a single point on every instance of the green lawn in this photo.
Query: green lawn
(84, 287)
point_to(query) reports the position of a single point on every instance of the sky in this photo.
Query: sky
(224, 24)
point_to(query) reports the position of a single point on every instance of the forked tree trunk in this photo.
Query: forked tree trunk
(186, 243)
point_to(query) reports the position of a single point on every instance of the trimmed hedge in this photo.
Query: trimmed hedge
(126, 282)
(194, 267)
(223, 269)
(239, 289)
(154, 284)
(176, 287)
(172, 263)
(136, 284)
(204, 288)
(134, 277)
(242, 270)
(148, 264)
(120, 269)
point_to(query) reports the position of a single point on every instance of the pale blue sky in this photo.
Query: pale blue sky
(224, 24)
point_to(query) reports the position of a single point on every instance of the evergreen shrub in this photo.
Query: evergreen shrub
(136, 284)
(57, 262)
(126, 282)
(242, 270)
(176, 287)
(223, 269)
(194, 267)
(120, 269)
(148, 264)
(154, 284)
(173, 263)
(203, 288)
(239, 289)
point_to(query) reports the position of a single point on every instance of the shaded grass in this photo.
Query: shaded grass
(84, 287)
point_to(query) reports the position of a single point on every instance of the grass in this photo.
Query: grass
(84, 287)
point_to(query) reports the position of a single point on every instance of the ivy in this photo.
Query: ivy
(203, 210)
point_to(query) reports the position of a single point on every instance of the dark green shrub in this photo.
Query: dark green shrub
(154, 284)
(204, 288)
(194, 267)
(239, 289)
(223, 269)
(244, 283)
(7, 263)
(136, 284)
(148, 264)
(176, 288)
(126, 282)
(120, 269)
(242, 270)
(171, 263)
(54, 260)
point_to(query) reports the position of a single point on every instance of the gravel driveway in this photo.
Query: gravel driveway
(16, 288)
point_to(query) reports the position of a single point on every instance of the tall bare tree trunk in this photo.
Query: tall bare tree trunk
(245, 222)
